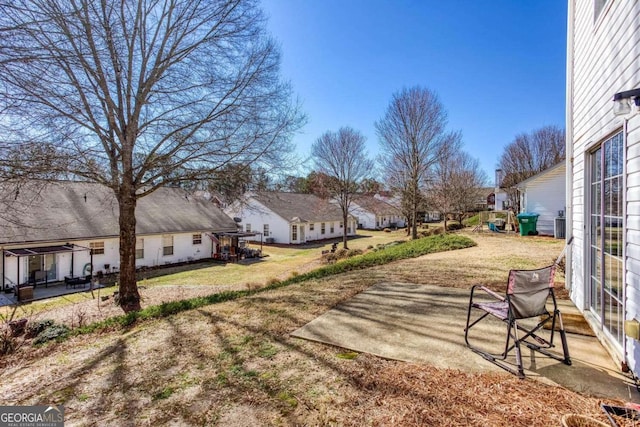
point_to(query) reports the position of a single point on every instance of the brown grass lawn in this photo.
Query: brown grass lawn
(235, 364)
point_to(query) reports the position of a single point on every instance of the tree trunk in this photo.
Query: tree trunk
(414, 210)
(344, 230)
(128, 291)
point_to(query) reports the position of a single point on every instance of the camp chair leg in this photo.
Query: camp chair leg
(563, 338)
(516, 342)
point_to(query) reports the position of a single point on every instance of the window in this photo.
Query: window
(294, 232)
(139, 248)
(197, 238)
(311, 226)
(266, 230)
(97, 247)
(248, 228)
(322, 228)
(167, 245)
(341, 224)
(331, 228)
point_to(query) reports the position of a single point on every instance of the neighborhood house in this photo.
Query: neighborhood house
(375, 214)
(544, 194)
(290, 218)
(70, 229)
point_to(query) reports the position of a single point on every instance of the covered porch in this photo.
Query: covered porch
(43, 265)
(234, 246)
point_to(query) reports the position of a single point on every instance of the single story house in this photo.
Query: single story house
(375, 214)
(544, 194)
(603, 171)
(70, 228)
(290, 218)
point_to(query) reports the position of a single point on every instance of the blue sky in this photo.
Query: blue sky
(498, 66)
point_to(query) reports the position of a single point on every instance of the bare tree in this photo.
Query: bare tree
(318, 183)
(138, 95)
(529, 154)
(456, 185)
(412, 135)
(342, 156)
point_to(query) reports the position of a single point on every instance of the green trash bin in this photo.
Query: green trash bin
(528, 222)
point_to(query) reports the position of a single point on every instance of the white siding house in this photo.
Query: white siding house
(603, 170)
(544, 194)
(65, 228)
(290, 218)
(374, 214)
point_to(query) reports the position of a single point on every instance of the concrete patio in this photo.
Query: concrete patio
(425, 324)
(51, 290)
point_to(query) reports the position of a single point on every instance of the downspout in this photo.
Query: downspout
(569, 151)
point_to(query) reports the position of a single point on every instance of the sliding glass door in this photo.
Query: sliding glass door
(606, 226)
(46, 263)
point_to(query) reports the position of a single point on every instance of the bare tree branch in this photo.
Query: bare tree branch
(412, 136)
(341, 155)
(136, 95)
(529, 154)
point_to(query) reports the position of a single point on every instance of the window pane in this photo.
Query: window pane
(597, 165)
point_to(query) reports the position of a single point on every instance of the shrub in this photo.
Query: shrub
(53, 332)
(354, 252)
(454, 226)
(387, 230)
(329, 258)
(341, 253)
(8, 342)
(273, 281)
(35, 328)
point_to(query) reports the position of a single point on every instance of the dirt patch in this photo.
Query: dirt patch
(236, 363)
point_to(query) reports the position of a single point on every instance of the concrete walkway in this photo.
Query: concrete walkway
(425, 324)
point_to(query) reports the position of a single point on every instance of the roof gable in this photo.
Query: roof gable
(376, 206)
(557, 168)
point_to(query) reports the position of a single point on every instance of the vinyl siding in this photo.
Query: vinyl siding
(606, 60)
(545, 195)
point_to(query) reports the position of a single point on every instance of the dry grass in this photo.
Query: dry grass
(234, 364)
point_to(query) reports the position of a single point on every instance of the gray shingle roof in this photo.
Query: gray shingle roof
(67, 210)
(376, 206)
(305, 207)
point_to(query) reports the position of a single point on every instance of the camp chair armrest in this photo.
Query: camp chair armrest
(488, 291)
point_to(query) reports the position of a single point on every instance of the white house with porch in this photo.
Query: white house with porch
(603, 171)
(71, 229)
(290, 218)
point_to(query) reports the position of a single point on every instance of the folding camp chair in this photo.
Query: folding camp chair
(528, 293)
